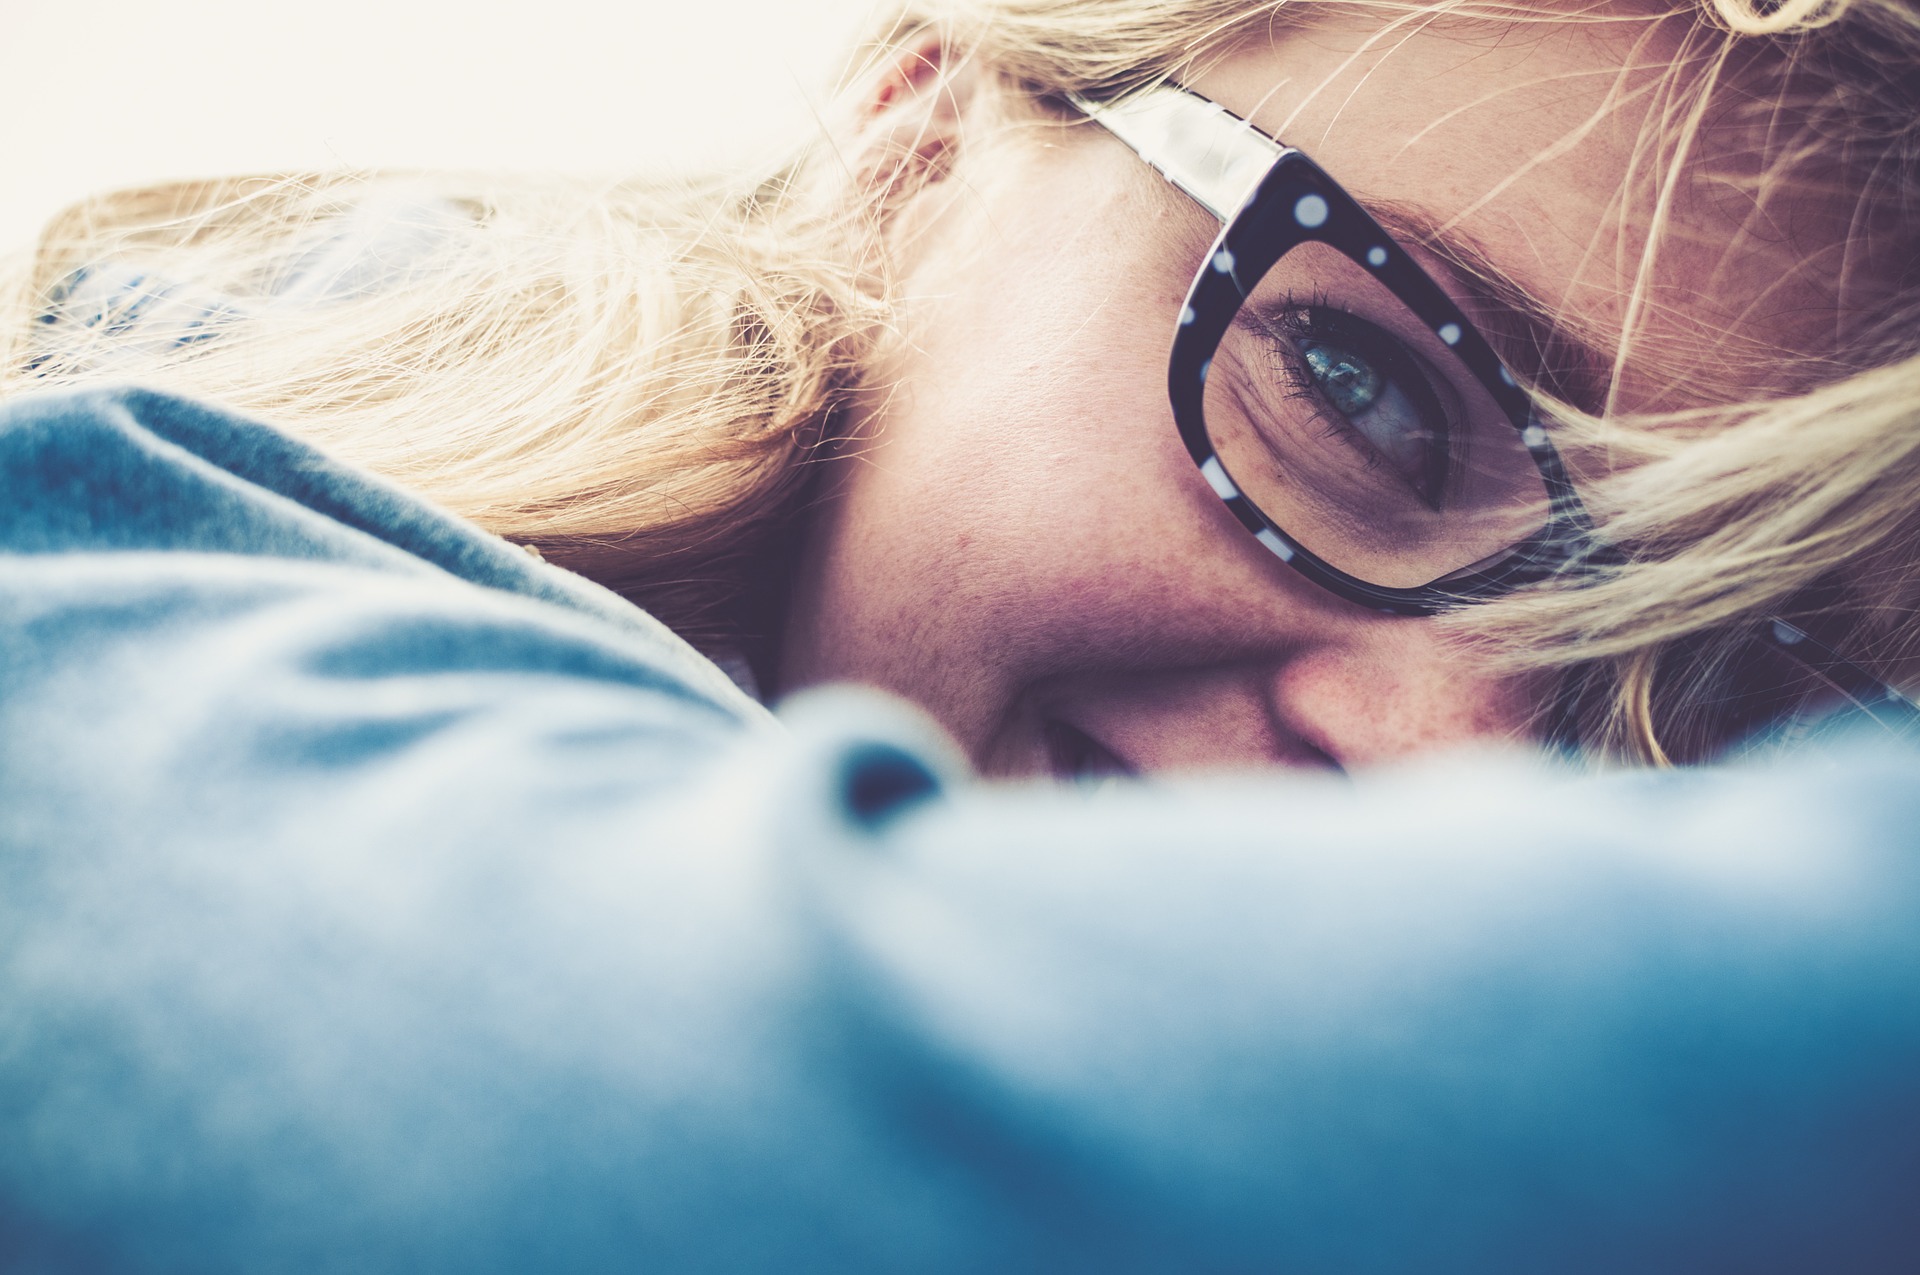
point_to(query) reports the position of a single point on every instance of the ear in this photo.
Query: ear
(902, 125)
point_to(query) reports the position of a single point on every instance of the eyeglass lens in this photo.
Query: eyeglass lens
(1356, 429)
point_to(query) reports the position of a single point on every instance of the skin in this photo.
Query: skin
(1015, 538)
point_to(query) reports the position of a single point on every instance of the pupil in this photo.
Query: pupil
(1350, 382)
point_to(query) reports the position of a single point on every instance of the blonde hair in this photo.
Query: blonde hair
(630, 377)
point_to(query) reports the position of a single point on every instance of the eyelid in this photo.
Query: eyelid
(1271, 318)
(1281, 325)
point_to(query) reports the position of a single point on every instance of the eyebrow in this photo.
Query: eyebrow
(1524, 329)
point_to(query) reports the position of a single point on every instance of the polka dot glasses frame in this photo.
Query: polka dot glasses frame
(1333, 395)
(1344, 408)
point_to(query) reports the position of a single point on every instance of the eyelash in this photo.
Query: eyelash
(1302, 386)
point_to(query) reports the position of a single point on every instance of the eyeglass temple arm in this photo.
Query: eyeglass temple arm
(1206, 150)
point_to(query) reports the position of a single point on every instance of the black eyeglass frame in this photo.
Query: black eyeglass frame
(1298, 203)
(1264, 224)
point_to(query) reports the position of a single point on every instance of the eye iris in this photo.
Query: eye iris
(1349, 382)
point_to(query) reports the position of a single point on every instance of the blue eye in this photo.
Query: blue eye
(1380, 399)
(1352, 384)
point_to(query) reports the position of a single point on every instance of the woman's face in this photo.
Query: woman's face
(1015, 537)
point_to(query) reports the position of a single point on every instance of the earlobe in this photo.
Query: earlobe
(911, 71)
(908, 116)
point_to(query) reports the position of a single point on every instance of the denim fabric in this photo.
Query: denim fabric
(375, 898)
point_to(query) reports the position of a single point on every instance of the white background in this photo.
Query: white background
(103, 93)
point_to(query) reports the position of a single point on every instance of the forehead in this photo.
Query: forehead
(1549, 147)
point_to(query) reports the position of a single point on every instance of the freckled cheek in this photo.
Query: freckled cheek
(1076, 546)
(1031, 493)
(1028, 597)
(1000, 584)
(1048, 488)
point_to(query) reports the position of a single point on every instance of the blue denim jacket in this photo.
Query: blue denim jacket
(376, 898)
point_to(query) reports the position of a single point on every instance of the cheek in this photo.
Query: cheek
(1020, 498)
(1004, 519)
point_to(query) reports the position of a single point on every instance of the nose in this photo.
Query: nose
(1390, 689)
(1397, 688)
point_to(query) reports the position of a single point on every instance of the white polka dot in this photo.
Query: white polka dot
(1186, 315)
(1275, 543)
(1310, 211)
(1533, 436)
(1223, 261)
(1450, 333)
(1786, 635)
(1376, 257)
(1216, 476)
(1204, 369)
(1508, 378)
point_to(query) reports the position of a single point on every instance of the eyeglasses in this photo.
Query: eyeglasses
(1345, 409)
